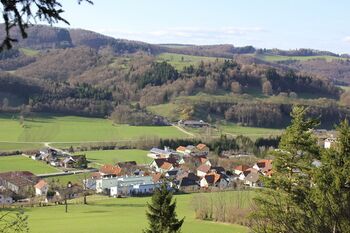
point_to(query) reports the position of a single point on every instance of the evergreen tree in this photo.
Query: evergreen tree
(285, 204)
(332, 180)
(161, 212)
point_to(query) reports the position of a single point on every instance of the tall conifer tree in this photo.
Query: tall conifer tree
(161, 212)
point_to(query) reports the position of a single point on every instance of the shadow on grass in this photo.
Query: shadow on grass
(120, 205)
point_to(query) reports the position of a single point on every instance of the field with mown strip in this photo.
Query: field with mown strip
(179, 61)
(276, 58)
(253, 132)
(50, 128)
(113, 156)
(120, 215)
(22, 163)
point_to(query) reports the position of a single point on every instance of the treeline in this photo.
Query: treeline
(238, 144)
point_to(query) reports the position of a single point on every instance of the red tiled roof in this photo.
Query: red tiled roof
(110, 169)
(166, 166)
(241, 168)
(40, 184)
(203, 168)
(201, 146)
(181, 148)
(265, 164)
(156, 177)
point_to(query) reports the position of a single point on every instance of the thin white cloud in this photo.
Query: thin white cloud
(186, 34)
(347, 39)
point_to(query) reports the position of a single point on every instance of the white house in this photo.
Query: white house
(329, 142)
(106, 183)
(202, 170)
(41, 188)
(133, 185)
(240, 169)
(156, 153)
(163, 165)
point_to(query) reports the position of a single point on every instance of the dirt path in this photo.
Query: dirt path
(183, 130)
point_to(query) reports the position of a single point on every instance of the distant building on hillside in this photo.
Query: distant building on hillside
(193, 123)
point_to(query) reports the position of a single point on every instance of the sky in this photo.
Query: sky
(284, 24)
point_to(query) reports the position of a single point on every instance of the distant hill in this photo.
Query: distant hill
(80, 72)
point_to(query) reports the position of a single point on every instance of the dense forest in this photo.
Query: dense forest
(84, 73)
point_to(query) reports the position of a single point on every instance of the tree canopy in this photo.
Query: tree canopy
(23, 13)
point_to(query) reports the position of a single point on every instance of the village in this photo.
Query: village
(185, 169)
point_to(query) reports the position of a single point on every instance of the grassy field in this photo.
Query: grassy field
(170, 110)
(276, 58)
(179, 61)
(72, 129)
(75, 178)
(116, 215)
(113, 156)
(253, 132)
(21, 163)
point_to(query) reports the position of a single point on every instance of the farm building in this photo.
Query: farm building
(133, 185)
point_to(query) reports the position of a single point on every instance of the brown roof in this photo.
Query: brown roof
(181, 148)
(241, 168)
(166, 166)
(156, 177)
(204, 168)
(251, 170)
(265, 164)
(96, 175)
(201, 146)
(40, 184)
(160, 162)
(19, 178)
(110, 169)
(252, 177)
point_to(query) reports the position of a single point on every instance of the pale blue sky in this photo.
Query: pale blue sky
(286, 24)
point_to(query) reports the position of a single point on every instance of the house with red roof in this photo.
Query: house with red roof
(203, 169)
(41, 188)
(240, 169)
(263, 166)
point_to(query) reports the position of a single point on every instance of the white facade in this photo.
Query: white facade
(4, 200)
(105, 183)
(42, 191)
(201, 173)
(133, 185)
(329, 142)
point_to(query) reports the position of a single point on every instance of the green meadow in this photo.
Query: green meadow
(179, 61)
(74, 178)
(72, 129)
(99, 157)
(276, 58)
(22, 163)
(103, 214)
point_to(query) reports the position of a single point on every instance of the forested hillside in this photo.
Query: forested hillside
(84, 73)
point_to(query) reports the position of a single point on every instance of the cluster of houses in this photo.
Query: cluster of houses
(188, 168)
(20, 184)
(57, 158)
(23, 186)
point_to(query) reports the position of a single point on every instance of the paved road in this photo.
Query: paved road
(68, 173)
